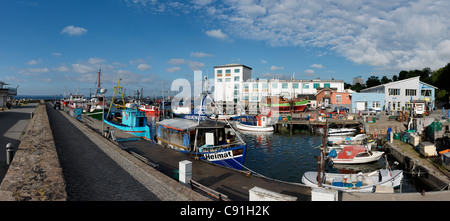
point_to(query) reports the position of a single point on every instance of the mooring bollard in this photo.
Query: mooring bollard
(9, 153)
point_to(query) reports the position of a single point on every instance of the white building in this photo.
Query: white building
(6, 93)
(255, 90)
(233, 84)
(228, 82)
(400, 94)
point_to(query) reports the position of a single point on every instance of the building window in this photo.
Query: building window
(236, 78)
(326, 85)
(393, 91)
(316, 85)
(255, 86)
(410, 92)
(426, 93)
(338, 99)
(284, 85)
(295, 85)
(219, 79)
(274, 85)
(265, 86)
(228, 71)
(236, 86)
(219, 71)
(245, 86)
(376, 104)
(227, 79)
(236, 70)
(305, 86)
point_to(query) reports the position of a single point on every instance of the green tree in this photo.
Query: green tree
(372, 81)
(385, 80)
(357, 87)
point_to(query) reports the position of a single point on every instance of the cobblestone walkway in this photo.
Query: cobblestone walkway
(89, 173)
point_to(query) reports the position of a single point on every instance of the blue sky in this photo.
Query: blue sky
(49, 45)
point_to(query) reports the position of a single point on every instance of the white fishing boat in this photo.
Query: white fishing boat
(256, 123)
(354, 154)
(340, 140)
(360, 182)
(341, 131)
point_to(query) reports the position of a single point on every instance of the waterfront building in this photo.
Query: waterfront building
(255, 90)
(6, 93)
(331, 98)
(228, 82)
(398, 95)
(364, 101)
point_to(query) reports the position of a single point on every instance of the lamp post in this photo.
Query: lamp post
(103, 91)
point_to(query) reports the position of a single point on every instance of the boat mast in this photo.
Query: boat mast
(98, 81)
(321, 161)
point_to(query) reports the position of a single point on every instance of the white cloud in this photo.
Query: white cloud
(177, 61)
(195, 66)
(200, 54)
(61, 69)
(33, 62)
(173, 69)
(217, 34)
(393, 34)
(82, 69)
(274, 68)
(56, 53)
(96, 60)
(144, 67)
(319, 66)
(74, 31)
(309, 73)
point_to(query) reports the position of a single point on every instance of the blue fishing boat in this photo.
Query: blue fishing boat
(130, 120)
(127, 117)
(208, 140)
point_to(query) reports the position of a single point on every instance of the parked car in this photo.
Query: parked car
(342, 109)
(369, 111)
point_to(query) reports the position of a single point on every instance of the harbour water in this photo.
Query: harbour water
(286, 157)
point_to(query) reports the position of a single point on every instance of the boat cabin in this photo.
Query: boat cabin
(194, 136)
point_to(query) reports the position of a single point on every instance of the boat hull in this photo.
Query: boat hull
(376, 155)
(349, 182)
(232, 157)
(143, 132)
(245, 127)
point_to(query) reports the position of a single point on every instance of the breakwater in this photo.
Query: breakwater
(35, 173)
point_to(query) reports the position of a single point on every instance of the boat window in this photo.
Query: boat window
(365, 154)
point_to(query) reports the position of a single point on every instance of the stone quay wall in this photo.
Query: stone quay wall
(35, 173)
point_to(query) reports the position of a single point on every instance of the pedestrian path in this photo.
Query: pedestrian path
(94, 170)
(13, 123)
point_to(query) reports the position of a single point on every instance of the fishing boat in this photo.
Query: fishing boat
(281, 104)
(212, 141)
(338, 140)
(341, 131)
(278, 104)
(258, 123)
(300, 105)
(127, 117)
(76, 101)
(130, 120)
(149, 110)
(360, 182)
(354, 154)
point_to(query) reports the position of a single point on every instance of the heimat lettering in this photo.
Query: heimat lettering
(219, 156)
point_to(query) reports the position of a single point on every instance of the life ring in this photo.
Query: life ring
(360, 177)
